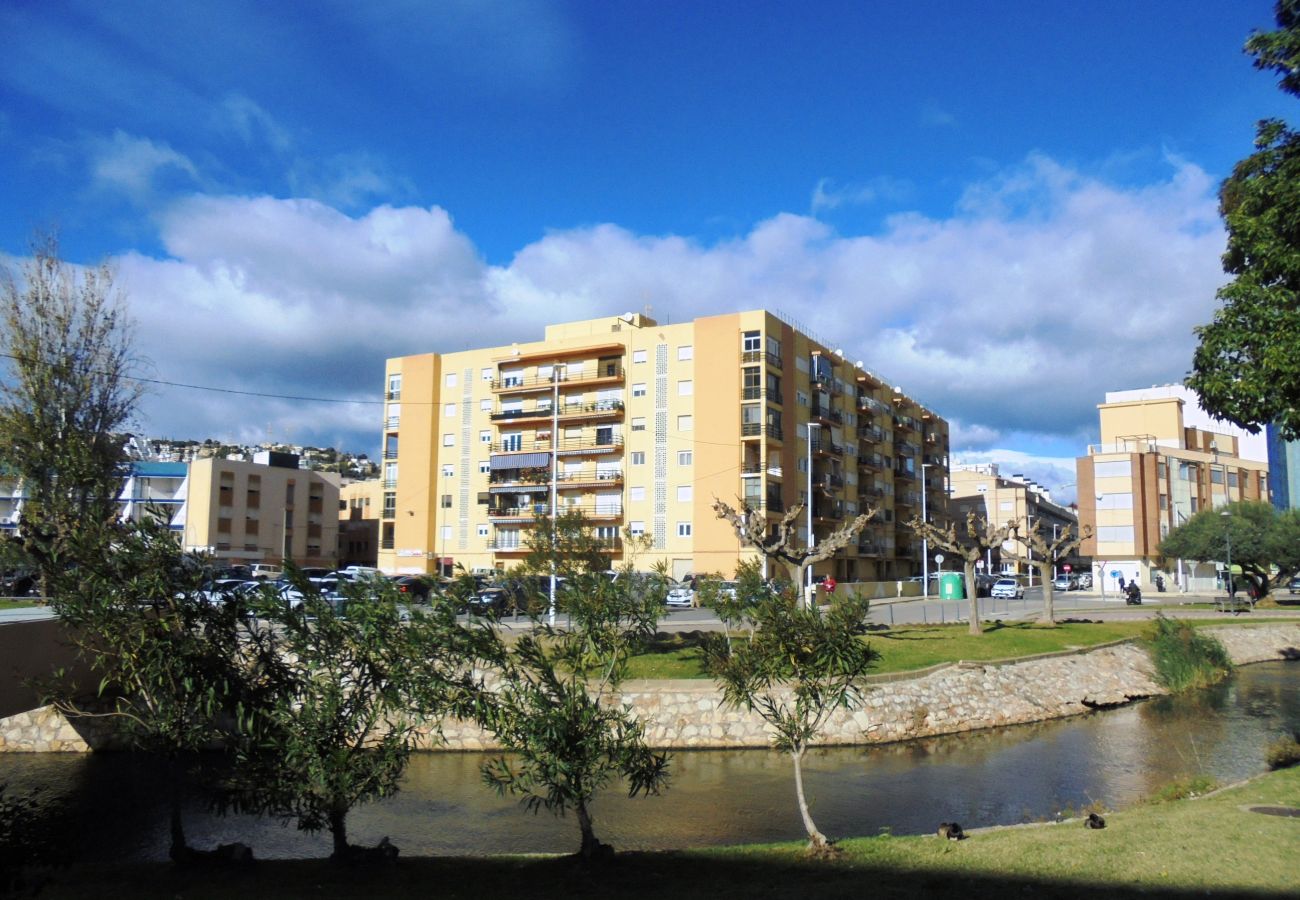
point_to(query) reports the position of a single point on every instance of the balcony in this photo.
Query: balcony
(907, 498)
(870, 548)
(605, 375)
(598, 442)
(871, 461)
(826, 447)
(907, 423)
(827, 414)
(828, 511)
(905, 449)
(754, 356)
(386, 543)
(594, 409)
(758, 429)
(392, 395)
(536, 510)
(388, 515)
(871, 404)
(871, 433)
(830, 482)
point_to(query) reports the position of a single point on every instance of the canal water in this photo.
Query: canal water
(109, 806)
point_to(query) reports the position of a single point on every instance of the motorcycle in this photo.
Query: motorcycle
(1133, 594)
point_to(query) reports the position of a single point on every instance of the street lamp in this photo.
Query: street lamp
(555, 481)
(1227, 535)
(925, 544)
(812, 537)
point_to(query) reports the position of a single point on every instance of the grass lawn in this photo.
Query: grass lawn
(1211, 845)
(19, 603)
(907, 648)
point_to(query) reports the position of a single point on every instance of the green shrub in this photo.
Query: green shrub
(1283, 753)
(1184, 657)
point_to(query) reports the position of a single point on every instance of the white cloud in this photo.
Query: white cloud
(1012, 317)
(134, 165)
(252, 123)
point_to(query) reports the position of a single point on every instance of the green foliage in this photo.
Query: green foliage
(1185, 658)
(1246, 369)
(342, 697)
(556, 707)
(1263, 538)
(798, 667)
(1283, 753)
(66, 345)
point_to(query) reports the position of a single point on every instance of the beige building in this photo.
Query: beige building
(359, 504)
(266, 511)
(640, 425)
(1149, 474)
(1001, 499)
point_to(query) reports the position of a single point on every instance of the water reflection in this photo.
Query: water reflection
(111, 809)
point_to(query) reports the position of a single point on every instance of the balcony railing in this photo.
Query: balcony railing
(753, 356)
(905, 449)
(392, 395)
(545, 411)
(871, 461)
(386, 543)
(535, 382)
(872, 433)
(751, 393)
(831, 482)
(390, 454)
(906, 422)
(820, 411)
(534, 510)
(871, 404)
(389, 514)
(828, 510)
(584, 442)
(758, 429)
(821, 445)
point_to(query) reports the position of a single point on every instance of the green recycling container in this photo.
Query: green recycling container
(951, 587)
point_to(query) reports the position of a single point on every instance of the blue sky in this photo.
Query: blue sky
(1008, 208)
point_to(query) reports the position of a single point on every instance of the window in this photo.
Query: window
(774, 387)
(446, 501)
(751, 341)
(685, 423)
(390, 473)
(448, 471)
(394, 415)
(638, 390)
(1216, 475)
(684, 493)
(487, 374)
(686, 351)
(512, 441)
(683, 529)
(685, 457)
(638, 424)
(485, 406)
(1232, 479)
(483, 531)
(485, 468)
(1160, 470)
(636, 528)
(449, 411)
(685, 387)
(1115, 501)
(635, 494)
(751, 383)
(1164, 502)
(485, 436)
(446, 533)
(394, 387)
(1117, 469)
(450, 379)
(801, 398)
(1115, 534)
(638, 356)
(449, 440)
(638, 457)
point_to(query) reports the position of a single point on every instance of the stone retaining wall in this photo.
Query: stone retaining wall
(949, 699)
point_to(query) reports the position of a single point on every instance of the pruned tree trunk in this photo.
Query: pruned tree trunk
(816, 840)
(591, 847)
(972, 591)
(179, 850)
(1049, 597)
(339, 832)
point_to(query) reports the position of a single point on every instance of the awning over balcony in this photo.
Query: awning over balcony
(521, 461)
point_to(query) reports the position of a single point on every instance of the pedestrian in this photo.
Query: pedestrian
(1121, 584)
(829, 585)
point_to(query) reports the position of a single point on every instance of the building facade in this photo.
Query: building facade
(640, 426)
(359, 503)
(1283, 470)
(265, 511)
(1150, 473)
(1002, 499)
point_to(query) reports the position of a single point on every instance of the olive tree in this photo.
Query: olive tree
(799, 666)
(556, 708)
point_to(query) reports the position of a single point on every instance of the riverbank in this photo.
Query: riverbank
(949, 698)
(1234, 842)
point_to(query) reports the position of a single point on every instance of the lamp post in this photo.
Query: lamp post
(812, 537)
(1227, 535)
(555, 480)
(925, 544)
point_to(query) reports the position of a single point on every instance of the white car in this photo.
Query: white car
(1007, 588)
(680, 595)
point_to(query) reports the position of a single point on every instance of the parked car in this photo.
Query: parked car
(1294, 586)
(266, 571)
(1065, 582)
(680, 595)
(984, 584)
(1008, 588)
(17, 583)
(1085, 581)
(416, 587)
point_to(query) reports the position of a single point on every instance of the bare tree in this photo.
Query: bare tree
(1046, 552)
(782, 542)
(970, 543)
(66, 343)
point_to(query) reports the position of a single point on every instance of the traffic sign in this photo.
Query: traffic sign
(938, 557)
(979, 563)
(1066, 567)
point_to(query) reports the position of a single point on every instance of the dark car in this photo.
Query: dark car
(415, 587)
(17, 583)
(1294, 586)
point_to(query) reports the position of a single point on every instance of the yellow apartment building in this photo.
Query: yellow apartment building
(640, 425)
(1149, 474)
(998, 498)
(266, 511)
(359, 504)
